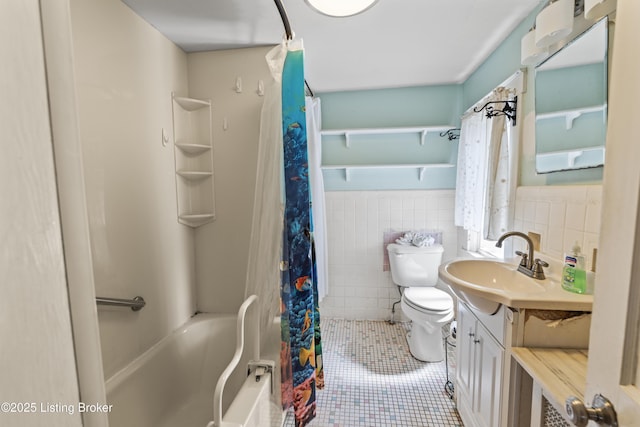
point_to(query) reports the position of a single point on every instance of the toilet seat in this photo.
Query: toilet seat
(428, 300)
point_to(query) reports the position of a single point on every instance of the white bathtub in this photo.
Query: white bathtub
(172, 384)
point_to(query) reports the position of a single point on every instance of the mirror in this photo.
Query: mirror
(571, 104)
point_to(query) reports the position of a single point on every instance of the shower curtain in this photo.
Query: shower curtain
(282, 252)
(314, 124)
(299, 290)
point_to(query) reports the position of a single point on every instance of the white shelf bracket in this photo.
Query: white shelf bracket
(571, 117)
(423, 137)
(421, 173)
(347, 139)
(347, 174)
(572, 156)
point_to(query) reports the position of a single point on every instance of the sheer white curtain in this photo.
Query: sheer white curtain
(263, 273)
(314, 124)
(500, 178)
(485, 175)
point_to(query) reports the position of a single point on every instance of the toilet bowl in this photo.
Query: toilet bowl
(415, 270)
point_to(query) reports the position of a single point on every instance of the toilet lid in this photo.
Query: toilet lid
(428, 299)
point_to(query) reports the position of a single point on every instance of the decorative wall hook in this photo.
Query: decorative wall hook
(238, 87)
(451, 134)
(260, 90)
(509, 109)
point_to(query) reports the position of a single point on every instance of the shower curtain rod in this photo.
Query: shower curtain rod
(288, 32)
(285, 19)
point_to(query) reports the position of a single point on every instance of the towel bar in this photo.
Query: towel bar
(136, 303)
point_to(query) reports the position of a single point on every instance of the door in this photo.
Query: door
(613, 350)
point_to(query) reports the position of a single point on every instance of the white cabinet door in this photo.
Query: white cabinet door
(478, 372)
(465, 360)
(488, 379)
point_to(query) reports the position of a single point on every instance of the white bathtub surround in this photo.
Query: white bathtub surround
(222, 246)
(356, 223)
(561, 215)
(137, 245)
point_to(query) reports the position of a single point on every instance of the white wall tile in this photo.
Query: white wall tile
(358, 286)
(575, 216)
(572, 214)
(356, 221)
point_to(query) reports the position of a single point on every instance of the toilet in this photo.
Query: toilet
(415, 269)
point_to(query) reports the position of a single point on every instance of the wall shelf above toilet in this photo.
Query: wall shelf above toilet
(349, 133)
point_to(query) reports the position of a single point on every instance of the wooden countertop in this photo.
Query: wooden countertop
(559, 372)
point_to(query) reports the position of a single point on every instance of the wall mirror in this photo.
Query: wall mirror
(571, 104)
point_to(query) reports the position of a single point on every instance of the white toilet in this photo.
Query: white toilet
(415, 269)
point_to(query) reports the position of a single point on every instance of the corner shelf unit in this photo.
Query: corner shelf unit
(193, 149)
(422, 131)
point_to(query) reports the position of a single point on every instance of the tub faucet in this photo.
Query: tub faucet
(528, 266)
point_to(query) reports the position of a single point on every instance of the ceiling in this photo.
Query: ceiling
(396, 43)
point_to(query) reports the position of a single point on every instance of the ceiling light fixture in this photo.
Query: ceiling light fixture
(341, 8)
(595, 9)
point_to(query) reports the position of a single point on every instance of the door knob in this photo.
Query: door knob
(601, 411)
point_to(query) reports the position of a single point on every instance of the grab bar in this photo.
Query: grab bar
(217, 396)
(136, 303)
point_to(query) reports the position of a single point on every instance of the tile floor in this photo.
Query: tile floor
(371, 380)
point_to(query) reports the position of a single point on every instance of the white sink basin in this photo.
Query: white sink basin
(475, 281)
(485, 284)
(491, 274)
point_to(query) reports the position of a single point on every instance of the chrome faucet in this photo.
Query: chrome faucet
(528, 266)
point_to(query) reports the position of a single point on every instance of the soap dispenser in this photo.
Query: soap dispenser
(574, 276)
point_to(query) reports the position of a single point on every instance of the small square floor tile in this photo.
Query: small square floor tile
(371, 380)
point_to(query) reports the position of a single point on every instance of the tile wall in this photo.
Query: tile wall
(562, 215)
(357, 220)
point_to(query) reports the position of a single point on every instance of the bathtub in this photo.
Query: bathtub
(172, 384)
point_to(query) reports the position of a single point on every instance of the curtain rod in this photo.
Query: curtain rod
(285, 19)
(515, 82)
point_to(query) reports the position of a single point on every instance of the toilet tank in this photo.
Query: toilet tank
(414, 266)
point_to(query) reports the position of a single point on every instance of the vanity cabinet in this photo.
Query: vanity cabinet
(480, 365)
(193, 150)
(490, 388)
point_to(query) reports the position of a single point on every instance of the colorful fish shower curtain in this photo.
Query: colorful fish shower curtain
(301, 354)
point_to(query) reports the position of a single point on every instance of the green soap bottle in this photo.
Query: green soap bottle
(574, 276)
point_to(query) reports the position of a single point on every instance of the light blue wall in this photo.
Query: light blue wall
(431, 105)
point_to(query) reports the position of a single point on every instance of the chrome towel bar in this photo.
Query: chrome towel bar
(136, 303)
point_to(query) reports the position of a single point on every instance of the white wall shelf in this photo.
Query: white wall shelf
(422, 130)
(571, 159)
(193, 148)
(421, 168)
(192, 135)
(194, 175)
(571, 115)
(191, 104)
